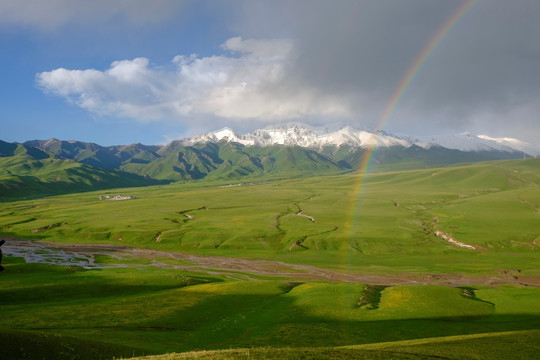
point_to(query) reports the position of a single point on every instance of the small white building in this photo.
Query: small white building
(116, 197)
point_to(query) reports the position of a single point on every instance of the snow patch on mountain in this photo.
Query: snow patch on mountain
(469, 142)
(302, 135)
(225, 134)
(305, 136)
(361, 138)
(515, 144)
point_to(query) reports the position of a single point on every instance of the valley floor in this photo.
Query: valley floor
(238, 268)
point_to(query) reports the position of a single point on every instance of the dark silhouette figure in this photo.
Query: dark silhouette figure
(1, 243)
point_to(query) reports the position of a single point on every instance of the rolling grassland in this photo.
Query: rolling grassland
(417, 264)
(27, 172)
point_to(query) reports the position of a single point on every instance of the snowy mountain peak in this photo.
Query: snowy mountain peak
(463, 142)
(301, 135)
(225, 134)
(305, 136)
(514, 144)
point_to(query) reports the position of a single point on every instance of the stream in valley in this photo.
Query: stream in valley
(93, 256)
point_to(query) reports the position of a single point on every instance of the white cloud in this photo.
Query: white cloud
(249, 83)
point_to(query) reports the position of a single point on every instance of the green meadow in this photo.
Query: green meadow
(470, 294)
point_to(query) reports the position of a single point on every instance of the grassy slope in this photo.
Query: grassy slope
(502, 345)
(145, 311)
(414, 157)
(225, 160)
(27, 174)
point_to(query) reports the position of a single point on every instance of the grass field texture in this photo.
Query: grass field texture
(392, 227)
(125, 312)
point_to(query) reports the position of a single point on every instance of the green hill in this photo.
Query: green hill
(143, 310)
(398, 158)
(226, 160)
(230, 160)
(86, 153)
(28, 172)
(176, 162)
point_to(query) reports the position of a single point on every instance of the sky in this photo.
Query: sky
(125, 71)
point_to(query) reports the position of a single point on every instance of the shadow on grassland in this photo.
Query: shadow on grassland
(204, 330)
(247, 321)
(32, 345)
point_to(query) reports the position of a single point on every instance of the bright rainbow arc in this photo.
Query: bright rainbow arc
(397, 95)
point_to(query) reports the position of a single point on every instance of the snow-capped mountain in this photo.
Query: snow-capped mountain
(463, 142)
(514, 144)
(305, 136)
(222, 134)
(301, 135)
(225, 154)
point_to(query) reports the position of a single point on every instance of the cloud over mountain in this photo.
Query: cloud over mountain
(249, 81)
(313, 61)
(482, 76)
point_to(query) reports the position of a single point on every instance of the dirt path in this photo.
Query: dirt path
(85, 257)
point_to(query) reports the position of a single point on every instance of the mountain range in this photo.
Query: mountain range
(42, 167)
(302, 135)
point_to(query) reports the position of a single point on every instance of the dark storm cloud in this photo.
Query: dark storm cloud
(484, 72)
(489, 59)
(366, 45)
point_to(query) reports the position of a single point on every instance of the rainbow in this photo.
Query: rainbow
(397, 95)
